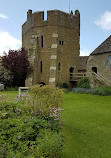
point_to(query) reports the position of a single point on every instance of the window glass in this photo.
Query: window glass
(107, 64)
(109, 57)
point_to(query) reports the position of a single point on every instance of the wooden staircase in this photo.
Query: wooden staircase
(102, 79)
(99, 77)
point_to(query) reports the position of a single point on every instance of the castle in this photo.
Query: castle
(53, 46)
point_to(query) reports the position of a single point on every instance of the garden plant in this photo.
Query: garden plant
(30, 126)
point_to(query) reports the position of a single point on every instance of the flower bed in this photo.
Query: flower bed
(31, 126)
(96, 91)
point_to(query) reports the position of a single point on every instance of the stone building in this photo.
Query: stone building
(99, 65)
(53, 46)
(83, 64)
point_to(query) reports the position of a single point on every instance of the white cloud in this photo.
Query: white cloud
(3, 16)
(8, 42)
(84, 52)
(104, 21)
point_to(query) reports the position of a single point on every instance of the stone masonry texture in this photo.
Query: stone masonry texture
(53, 45)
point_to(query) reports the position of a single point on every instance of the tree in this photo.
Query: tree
(17, 62)
(5, 75)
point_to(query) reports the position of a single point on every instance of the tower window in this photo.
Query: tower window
(37, 41)
(42, 41)
(59, 66)
(41, 66)
(61, 42)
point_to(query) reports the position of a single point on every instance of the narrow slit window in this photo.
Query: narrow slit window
(42, 41)
(37, 41)
(41, 66)
(61, 42)
(59, 66)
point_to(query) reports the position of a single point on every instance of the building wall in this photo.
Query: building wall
(59, 26)
(99, 61)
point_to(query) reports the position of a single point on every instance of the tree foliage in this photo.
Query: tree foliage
(5, 76)
(17, 62)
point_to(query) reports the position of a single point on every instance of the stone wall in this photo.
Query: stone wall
(60, 51)
(100, 62)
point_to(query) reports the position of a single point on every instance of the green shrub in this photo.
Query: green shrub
(20, 134)
(62, 85)
(65, 85)
(50, 145)
(25, 134)
(83, 83)
(44, 99)
(65, 90)
(59, 85)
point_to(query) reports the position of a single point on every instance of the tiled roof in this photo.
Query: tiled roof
(105, 47)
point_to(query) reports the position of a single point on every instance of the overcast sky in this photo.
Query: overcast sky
(95, 20)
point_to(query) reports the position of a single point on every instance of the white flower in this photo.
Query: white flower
(19, 136)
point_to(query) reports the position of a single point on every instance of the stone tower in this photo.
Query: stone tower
(53, 45)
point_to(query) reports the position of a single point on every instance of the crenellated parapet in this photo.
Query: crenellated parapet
(54, 17)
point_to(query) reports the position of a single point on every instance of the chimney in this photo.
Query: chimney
(29, 14)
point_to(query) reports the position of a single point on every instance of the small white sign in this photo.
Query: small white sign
(51, 80)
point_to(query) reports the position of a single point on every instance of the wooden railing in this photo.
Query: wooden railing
(76, 76)
(102, 79)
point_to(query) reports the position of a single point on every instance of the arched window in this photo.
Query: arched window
(41, 66)
(71, 70)
(42, 41)
(59, 66)
(94, 69)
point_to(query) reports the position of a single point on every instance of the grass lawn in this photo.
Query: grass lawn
(9, 93)
(87, 128)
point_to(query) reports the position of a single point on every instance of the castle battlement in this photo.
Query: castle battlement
(54, 18)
